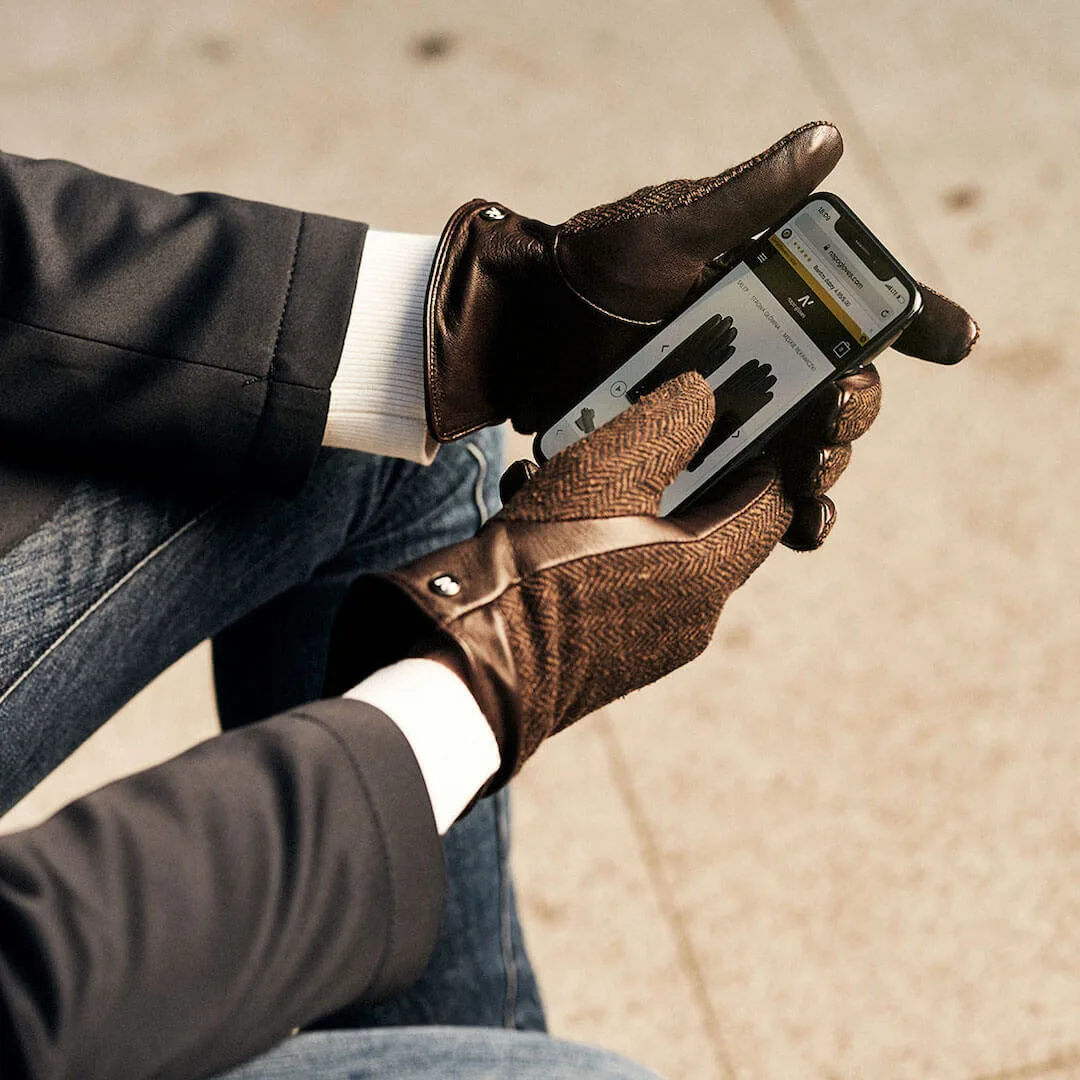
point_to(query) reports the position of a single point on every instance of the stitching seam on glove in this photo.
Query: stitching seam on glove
(596, 307)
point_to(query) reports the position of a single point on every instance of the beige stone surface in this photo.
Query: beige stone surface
(173, 713)
(616, 965)
(845, 843)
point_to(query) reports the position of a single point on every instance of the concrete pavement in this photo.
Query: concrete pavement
(844, 843)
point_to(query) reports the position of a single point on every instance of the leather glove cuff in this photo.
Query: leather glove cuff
(466, 311)
(475, 598)
(415, 620)
(496, 292)
(452, 599)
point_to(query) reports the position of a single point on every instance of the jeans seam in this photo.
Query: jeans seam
(102, 599)
(481, 477)
(502, 834)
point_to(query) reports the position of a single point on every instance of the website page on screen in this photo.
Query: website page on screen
(801, 305)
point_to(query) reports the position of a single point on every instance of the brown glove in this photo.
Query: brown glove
(816, 448)
(812, 452)
(576, 592)
(524, 318)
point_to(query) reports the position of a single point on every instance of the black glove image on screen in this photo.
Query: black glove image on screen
(586, 422)
(708, 348)
(747, 392)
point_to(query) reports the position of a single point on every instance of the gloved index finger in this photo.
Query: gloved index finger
(720, 212)
(942, 333)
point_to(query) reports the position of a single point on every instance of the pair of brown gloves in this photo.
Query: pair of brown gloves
(576, 592)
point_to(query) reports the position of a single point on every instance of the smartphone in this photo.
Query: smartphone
(811, 299)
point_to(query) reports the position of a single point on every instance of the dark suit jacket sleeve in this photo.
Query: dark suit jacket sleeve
(181, 920)
(174, 337)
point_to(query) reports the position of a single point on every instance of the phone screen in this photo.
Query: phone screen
(816, 296)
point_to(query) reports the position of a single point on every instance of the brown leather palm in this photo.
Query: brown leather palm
(523, 318)
(576, 592)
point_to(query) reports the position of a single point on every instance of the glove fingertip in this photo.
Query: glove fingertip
(516, 476)
(670, 423)
(942, 333)
(811, 523)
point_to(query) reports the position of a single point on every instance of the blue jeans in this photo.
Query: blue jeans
(118, 584)
(435, 1054)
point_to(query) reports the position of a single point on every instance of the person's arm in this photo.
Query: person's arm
(171, 337)
(200, 337)
(183, 919)
(180, 920)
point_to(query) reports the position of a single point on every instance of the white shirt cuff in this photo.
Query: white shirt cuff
(377, 396)
(453, 743)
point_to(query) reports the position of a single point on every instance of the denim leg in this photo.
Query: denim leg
(259, 666)
(119, 584)
(479, 974)
(436, 1054)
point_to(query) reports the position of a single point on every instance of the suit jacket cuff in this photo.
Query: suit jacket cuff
(305, 361)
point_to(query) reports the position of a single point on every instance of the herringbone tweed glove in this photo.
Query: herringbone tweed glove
(813, 452)
(523, 318)
(576, 592)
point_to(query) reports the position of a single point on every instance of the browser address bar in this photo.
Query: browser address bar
(814, 241)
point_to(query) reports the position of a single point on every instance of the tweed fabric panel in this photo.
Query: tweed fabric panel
(593, 630)
(832, 461)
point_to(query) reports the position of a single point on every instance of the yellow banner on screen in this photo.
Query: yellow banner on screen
(821, 291)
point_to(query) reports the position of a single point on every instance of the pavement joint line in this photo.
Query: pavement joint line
(819, 72)
(1067, 1059)
(654, 865)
